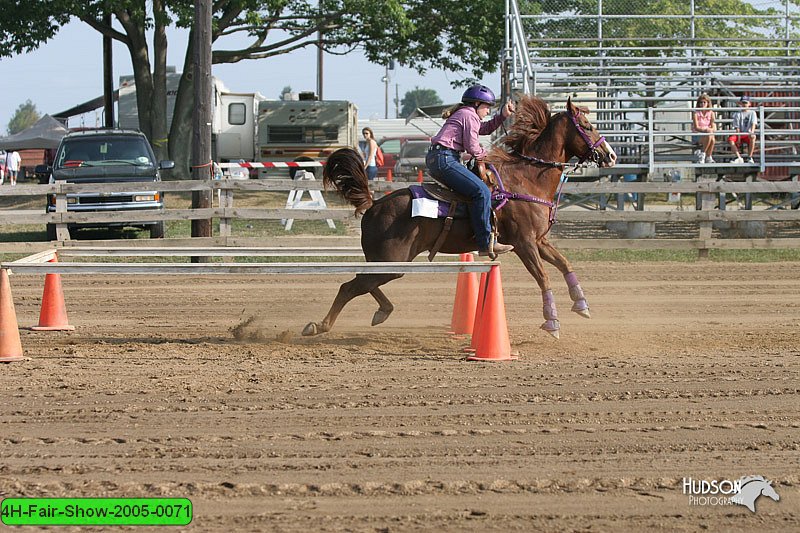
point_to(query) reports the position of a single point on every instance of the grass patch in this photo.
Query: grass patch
(684, 256)
(259, 228)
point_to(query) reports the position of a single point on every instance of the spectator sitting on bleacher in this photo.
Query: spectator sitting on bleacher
(704, 121)
(744, 124)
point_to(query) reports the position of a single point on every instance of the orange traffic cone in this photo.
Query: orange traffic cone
(419, 176)
(493, 344)
(466, 301)
(476, 325)
(53, 316)
(10, 346)
(389, 175)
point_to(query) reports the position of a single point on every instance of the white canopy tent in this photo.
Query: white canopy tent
(46, 133)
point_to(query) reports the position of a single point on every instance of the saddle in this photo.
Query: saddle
(454, 200)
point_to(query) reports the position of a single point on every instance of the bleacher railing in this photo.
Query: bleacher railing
(633, 66)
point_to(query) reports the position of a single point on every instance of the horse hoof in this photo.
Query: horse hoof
(310, 329)
(583, 312)
(380, 316)
(581, 307)
(551, 327)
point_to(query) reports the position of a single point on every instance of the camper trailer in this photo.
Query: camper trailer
(247, 126)
(305, 130)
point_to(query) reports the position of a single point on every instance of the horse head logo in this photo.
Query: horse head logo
(751, 488)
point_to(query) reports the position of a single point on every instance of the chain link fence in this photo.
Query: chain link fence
(664, 28)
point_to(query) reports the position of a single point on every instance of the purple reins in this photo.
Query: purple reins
(503, 196)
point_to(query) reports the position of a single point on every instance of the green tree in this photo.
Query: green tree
(456, 36)
(24, 117)
(418, 98)
(286, 90)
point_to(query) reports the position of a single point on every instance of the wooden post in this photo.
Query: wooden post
(706, 202)
(225, 202)
(201, 116)
(108, 77)
(62, 230)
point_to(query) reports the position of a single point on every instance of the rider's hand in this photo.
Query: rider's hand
(508, 109)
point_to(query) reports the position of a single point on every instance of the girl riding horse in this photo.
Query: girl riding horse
(531, 164)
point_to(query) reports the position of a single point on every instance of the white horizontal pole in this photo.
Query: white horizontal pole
(248, 268)
(210, 251)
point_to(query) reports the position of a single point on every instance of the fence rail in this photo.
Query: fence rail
(707, 210)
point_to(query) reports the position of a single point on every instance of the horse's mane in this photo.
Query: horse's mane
(747, 479)
(530, 120)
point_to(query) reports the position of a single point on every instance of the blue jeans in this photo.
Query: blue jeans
(446, 168)
(372, 172)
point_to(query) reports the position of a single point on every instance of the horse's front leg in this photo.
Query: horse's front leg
(362, 284)
(555, 258)
(529, 254)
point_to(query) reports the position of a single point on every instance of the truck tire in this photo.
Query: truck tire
(157, 230)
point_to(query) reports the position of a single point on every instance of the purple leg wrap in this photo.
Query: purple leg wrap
(549, 311)
(576, 293)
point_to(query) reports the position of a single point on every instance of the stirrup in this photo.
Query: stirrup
(495, 249)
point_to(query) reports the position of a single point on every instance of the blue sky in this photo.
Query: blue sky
(67, 71)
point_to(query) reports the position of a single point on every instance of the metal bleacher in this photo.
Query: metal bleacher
(640, 73)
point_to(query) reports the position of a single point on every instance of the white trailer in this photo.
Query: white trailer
(305, 130)
(247, 126)
(233, 119)
(234, 125)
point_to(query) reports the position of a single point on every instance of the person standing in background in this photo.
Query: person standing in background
(2, 167)
(370, 152)
(13, 161)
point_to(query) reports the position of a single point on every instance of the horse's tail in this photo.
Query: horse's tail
(345, 171)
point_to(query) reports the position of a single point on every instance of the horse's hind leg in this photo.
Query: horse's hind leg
(385, 307)
(361, 284)
(555, 258)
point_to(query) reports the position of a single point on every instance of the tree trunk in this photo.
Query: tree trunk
(159, 102)
(180, 133)
(140, 59)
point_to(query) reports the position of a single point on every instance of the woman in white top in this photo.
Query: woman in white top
(369, 153)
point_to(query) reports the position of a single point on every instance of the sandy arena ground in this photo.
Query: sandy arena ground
(203, 388)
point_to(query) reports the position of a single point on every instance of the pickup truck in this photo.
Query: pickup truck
(109, 156)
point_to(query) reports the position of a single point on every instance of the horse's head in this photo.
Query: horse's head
(587, 143)
(768, 491)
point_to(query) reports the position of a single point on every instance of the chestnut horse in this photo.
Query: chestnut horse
(530, 165)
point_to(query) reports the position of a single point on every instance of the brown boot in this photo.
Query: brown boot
(495, 249)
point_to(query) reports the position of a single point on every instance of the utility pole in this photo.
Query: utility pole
(386, 80)
(201, 116)
(319, 64)
(386, 92)
(320, 51)
(108, 77)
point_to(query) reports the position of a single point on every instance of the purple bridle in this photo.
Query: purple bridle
(501, 195)
(591, 153)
